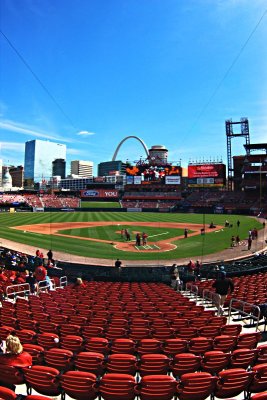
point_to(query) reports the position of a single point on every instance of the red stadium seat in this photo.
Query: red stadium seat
(232, 382)
(118, 387)
(89, 361)
(123, 345)
(7, 394)
(44, 380)
(184, 363)
(59, 358)
(122, 364)
(153, 364)
(79, 385)
(259, 382)
(157, 387)
(215, 361)
(196, 386)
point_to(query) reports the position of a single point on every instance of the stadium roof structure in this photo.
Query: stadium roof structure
(256, 146)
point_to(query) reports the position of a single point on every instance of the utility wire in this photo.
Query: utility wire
(204, 108)
(47, 91)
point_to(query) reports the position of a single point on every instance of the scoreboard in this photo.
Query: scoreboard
(206, 175)
(144, 174)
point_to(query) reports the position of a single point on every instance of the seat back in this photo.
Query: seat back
(157, 387)
(89, 361)
(79, 385)
(232, 382)
(7, 394)
(184, 363)
(259, 382)
(36, 351)
(122, 363)
(196, 386)
(243, 358)
(59, 358)
(123, 345)
(45, 380)
(215, 361)
(117, 387)
(151, 364)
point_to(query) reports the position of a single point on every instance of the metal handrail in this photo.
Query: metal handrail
(63, 281)
(250, 315)
(179, 287)
(213, 297)
(19, 290)
(43, 286)
(192, 289)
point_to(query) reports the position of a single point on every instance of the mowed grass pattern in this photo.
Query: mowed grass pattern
(190, 247)
(113, 232)
(100, 204)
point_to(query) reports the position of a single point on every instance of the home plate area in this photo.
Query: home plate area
(148, 247)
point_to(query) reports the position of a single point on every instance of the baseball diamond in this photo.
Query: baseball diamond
(96, 235)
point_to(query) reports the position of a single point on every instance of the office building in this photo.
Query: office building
(17, 174)
(39, 155)
(1, 172)
(82, 169)
(59, 168)
(73, 184)
(110, 167)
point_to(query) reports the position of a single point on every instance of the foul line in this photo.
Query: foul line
(158, 234)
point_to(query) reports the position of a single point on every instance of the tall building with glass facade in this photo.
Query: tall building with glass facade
(39, 155)
(59, 168)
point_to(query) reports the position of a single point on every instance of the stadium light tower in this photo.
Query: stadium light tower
(244, 127)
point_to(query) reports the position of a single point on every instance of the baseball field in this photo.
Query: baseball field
(102, 234)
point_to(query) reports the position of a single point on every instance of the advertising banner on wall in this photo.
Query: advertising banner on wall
(172, 180)
(100, 193)
(137, 180)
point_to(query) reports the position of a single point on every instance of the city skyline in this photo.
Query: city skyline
(168, 73)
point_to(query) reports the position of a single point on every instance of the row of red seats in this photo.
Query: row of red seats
(251, 289)
(147, 363)
(169, 346)
(81, 385)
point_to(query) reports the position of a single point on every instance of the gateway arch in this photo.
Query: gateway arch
(126, 138)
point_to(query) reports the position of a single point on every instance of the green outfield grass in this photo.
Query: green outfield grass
(100, 204)
(113, 232)
(191, 247)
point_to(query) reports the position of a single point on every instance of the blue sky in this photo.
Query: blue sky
(132, 67)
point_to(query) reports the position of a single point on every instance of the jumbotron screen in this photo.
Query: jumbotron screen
(168, 174)
(207, 175)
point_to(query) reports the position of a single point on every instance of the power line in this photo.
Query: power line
(47, 91)
(204, 108)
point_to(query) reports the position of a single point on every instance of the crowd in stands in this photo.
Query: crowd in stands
(148, 204)
(19, 268)
(40, 201)
(206, 198)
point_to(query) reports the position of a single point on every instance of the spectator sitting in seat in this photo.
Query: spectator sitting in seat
(18, 279)
(79, 283)
(13, 354)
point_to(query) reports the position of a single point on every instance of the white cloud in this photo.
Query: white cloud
(17, 127)
(13, 146)
(85, 133)
(73, 151)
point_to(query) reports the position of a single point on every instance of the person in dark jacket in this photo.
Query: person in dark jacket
(222, 286)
